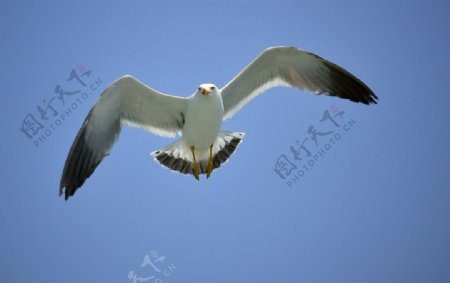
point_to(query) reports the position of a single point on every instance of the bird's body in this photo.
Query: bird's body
(203, 147)
(204, 117)
(198, 150)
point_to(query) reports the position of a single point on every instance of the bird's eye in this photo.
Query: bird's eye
(212, 88)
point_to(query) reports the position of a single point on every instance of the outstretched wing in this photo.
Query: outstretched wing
(126, 101)
(292, 67)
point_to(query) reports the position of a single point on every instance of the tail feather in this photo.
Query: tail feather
(178, 157)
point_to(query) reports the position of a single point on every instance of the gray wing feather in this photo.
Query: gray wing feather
(126, 101)
(292, 67)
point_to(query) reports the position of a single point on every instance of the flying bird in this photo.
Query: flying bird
(203, 147)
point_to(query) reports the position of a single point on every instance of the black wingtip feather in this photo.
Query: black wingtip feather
(80, 164)
(347, 86)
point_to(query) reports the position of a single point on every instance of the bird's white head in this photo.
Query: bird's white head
(207, 89)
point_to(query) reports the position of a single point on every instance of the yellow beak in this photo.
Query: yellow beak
(205, 91)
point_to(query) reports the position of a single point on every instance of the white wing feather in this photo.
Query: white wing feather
(292, 67)
(126, 101)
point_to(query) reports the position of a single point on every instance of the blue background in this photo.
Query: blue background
(374, 209)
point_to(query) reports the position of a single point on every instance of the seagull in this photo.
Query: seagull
(203, 147)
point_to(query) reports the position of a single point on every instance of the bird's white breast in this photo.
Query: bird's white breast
(203, 120)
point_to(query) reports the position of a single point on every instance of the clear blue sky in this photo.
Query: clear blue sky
(375, 208)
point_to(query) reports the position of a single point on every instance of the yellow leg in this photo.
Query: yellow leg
(210, 163)
(196, 170)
